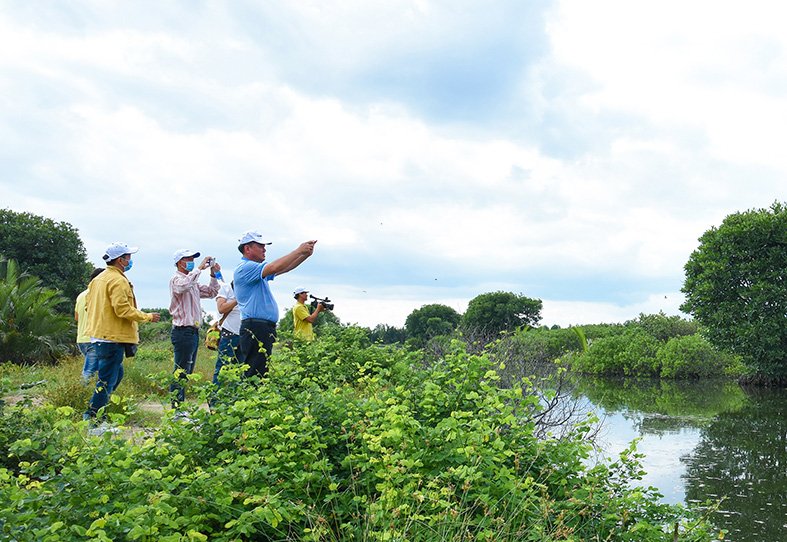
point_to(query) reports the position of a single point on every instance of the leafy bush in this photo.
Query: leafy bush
(30, 328)
(342, 441)
(546, 344)
(654, 346)
(692, 356)
(662, 327)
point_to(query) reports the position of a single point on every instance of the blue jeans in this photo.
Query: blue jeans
(110, 373)
(227, 353)
(91, 360)
(185, 341)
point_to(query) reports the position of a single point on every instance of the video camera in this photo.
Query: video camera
(326, 303)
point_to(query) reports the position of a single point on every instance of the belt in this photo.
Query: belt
(258, 321)
(224, 333)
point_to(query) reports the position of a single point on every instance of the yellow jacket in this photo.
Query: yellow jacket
(112, 313)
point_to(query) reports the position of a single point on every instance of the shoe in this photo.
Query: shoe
(182, 417)
(104, 427)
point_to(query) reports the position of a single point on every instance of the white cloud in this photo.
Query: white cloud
(571, 313)
(374, 129)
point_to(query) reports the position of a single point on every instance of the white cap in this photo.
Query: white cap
(252, 237)
(115, 250)
(184, 253)
(300, 291)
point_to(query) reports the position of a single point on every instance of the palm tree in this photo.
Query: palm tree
(30, 327)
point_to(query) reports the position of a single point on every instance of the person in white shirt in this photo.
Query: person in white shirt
(229, 336)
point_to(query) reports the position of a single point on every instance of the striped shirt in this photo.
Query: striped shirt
(185, 293)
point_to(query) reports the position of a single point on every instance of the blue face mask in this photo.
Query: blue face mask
(189, 266)
(130, 263)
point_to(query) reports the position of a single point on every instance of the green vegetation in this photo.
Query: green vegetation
(494, 312)
(344, 441)
(653, 346)
(736, 287)
(386, 334)
(49, 250)
(431, 321)
(30, 328)
(487, 316)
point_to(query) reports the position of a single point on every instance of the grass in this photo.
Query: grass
(141, 397)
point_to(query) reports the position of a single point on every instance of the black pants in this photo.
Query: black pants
(256, 343)
(185, 342)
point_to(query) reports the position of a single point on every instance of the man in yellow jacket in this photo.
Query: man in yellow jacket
(112, 323)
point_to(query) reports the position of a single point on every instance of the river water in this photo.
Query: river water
(704, 440)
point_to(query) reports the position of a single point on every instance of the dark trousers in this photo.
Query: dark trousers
(256, 343)
(185, 341)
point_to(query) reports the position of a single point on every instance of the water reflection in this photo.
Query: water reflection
(704, 440)
(743, 454)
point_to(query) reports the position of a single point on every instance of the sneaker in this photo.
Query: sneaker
(104, 427)
(182, 417)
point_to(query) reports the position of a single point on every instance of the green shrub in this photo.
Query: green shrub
(663, 327)
(342, 441)
(692, 356)
(602, 357)
(549, 343)
(652, 346)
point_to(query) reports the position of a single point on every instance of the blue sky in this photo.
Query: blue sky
(568, 151)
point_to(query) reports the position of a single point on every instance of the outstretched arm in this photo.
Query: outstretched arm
(290, 261)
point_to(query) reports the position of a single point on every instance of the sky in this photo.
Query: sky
(568, 151)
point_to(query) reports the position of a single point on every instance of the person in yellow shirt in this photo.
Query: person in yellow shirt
(302, 320)
(87, 348)
(112, 323)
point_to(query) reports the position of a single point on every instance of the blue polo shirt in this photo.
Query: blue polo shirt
(253, 293)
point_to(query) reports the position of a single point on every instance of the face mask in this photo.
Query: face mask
(130, 263)
(189, 266)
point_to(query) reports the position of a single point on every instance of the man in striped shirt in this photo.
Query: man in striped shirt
(185, 293)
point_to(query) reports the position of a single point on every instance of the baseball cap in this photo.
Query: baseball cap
(184, 253)
(300, 291)
(115, 250)
(252, 236)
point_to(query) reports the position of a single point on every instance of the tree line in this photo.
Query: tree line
(735, 287)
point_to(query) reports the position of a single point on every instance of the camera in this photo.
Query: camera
(326, 303)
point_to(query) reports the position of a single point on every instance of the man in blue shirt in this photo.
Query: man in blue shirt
(258, 309)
